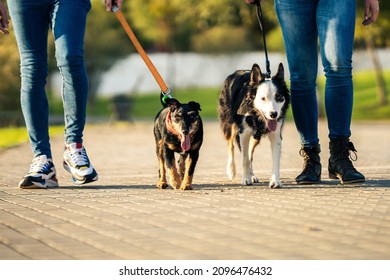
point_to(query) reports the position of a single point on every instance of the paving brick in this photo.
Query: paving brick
(124, 216)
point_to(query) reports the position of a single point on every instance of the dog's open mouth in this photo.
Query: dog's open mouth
(271, 125)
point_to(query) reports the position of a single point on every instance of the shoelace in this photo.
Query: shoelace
(351, 151)
(308, 160)
(39, 164)
(79, 157)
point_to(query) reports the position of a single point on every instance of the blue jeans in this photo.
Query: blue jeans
(31, 20)
(331, 24)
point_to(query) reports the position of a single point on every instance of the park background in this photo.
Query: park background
(124, 216)
(195, 45)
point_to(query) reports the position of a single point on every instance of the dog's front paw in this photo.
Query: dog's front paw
(255, 179)
(186, 187)
(162, 185)
(246, 181)
(275, 183)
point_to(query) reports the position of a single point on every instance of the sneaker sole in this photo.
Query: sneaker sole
(35, 185)
(79, 180)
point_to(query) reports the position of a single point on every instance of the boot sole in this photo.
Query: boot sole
(308, 182)
(337, 176)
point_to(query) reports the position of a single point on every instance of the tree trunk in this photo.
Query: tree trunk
(94, 83)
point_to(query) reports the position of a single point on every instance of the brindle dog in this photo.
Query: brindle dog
(178, 129)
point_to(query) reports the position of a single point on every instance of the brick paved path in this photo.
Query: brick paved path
(124, 216)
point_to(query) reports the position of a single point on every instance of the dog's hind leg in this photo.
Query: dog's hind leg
(246, 163)
(252, 145)
(276, 148)
(190, 164)
(231, 165)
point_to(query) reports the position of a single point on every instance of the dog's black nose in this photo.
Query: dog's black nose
(185, 131)
(273, 114)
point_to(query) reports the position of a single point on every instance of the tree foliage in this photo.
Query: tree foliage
(9, 72)
(204, 26)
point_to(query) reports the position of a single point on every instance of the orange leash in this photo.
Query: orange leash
(165, 90)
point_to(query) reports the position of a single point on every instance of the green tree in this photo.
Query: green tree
(203, 26)
(10, 73)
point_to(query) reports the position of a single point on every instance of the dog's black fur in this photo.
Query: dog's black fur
(243, 118)
(178, 128)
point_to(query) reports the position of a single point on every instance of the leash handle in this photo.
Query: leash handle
(260, 20)
(164, 88)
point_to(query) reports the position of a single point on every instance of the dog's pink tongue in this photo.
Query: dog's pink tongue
(271, 125)
(185, 143)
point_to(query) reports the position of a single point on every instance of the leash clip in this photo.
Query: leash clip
(167, 93)
(115, 8)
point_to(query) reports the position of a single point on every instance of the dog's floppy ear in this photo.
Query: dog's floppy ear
(194, 106)
(280, 74)
(172, 103)
(256, 75)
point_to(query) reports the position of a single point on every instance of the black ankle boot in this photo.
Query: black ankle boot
(311, 173)
(340, 164)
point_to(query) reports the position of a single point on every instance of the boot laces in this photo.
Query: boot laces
(349, 152)
(347, 155)
(308, 158)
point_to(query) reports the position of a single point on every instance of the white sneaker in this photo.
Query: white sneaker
(76, 162)
(42, 174)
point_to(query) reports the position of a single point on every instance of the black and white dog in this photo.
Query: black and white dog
(251, 106)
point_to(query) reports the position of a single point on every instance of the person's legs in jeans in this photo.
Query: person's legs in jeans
(31, 23)
(30, 20)
(336, 26)
(69, 43)
(298, 22)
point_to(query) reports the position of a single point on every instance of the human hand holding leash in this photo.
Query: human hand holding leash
(111, 3)
(3, 19)
(371, 11)
(253, 2)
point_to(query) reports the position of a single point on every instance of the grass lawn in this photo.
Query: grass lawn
(12, 136)
(145, 106)
(366, 105)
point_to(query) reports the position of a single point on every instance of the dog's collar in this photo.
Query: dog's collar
(171, 129)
